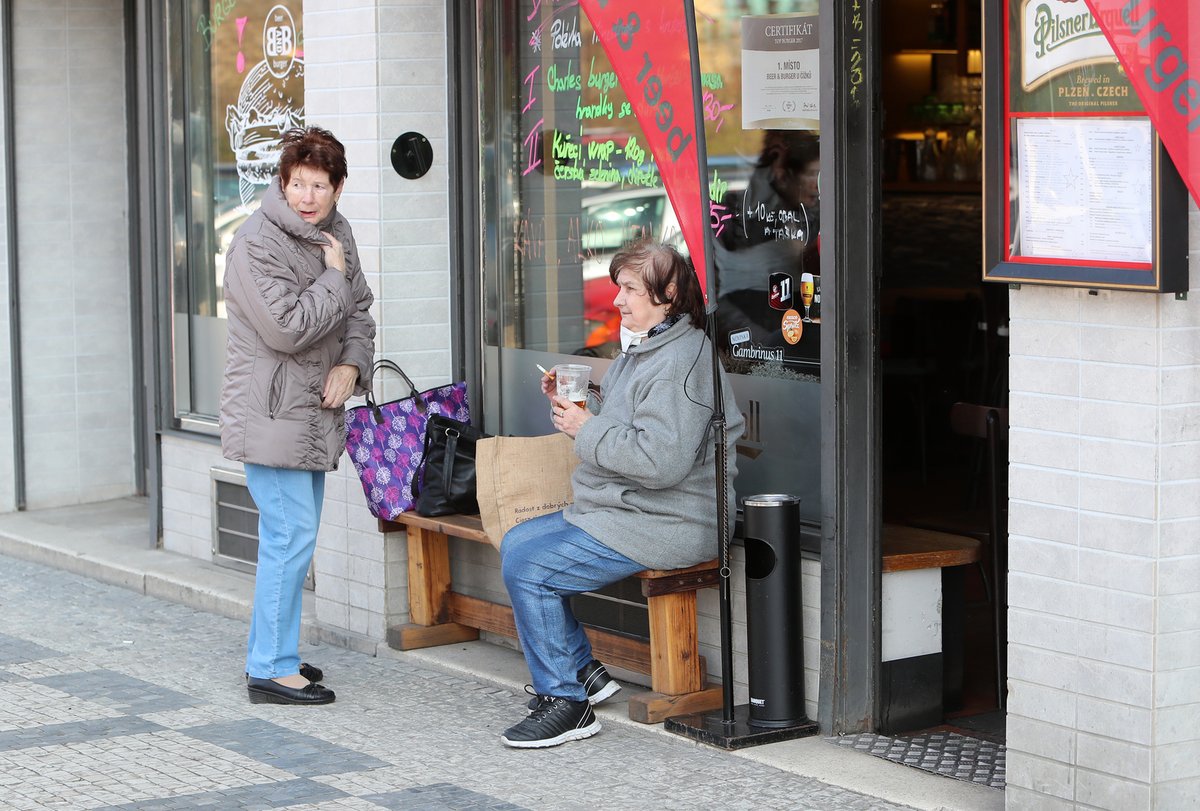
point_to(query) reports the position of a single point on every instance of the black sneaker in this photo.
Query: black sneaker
(555, 721)
(595, 680)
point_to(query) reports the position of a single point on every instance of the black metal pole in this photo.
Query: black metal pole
(14, 271)
(720, 432)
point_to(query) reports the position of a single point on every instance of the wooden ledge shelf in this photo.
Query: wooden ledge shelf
(907, 548)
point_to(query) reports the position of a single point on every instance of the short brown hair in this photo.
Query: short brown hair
(660, 266)
(315, 148)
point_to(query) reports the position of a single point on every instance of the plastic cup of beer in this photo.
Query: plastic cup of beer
(572, 380)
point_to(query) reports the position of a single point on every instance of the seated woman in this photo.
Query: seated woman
(643, 490)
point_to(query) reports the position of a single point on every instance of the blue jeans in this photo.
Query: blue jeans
(545, 561)
(289, 512)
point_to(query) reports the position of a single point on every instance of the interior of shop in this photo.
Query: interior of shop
(943, 335)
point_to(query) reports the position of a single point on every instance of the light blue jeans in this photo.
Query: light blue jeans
(545, 561)
(289, 512)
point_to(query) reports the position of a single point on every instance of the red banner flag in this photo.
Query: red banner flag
(1158, 43)
(647, 45)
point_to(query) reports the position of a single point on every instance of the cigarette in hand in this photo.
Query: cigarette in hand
(542, 369)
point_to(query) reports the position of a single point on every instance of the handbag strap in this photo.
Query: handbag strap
(452, 434)
(451, 455)
(384, 363)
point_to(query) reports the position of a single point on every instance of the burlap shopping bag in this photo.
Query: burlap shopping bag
(521, 477)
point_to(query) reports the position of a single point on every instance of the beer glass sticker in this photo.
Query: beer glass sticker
(792, 327)
(809, 296)
(780, 287)
(270, 102)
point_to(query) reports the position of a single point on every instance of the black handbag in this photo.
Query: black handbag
(446, 483)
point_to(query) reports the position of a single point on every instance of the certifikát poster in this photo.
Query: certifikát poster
(780, 72)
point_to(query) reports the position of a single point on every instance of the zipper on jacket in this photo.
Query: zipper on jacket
(275, 393)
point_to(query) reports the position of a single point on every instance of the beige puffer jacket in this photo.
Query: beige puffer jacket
(291, 320)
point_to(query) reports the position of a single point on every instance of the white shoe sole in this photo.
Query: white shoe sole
(605, 692)
(570, 735)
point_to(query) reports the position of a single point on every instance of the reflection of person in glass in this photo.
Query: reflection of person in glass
(773, 230)
(301, 341)
(643, 489)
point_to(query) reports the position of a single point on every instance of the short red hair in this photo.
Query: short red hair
(315, 148)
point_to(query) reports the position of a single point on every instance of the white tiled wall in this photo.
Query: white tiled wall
(1104, 582)
(374, 71)
(73, 250)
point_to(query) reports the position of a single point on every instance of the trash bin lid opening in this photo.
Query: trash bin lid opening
(770, 500)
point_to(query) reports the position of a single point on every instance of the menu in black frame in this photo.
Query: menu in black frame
(1082, 192)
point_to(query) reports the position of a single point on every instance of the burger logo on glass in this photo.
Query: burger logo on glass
(270, 103)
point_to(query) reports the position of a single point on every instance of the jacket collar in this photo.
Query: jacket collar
(674, 332)
(276, 209)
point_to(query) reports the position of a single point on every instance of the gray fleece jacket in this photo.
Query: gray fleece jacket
(644, 486)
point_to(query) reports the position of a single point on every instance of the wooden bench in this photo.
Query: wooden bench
(440, 616)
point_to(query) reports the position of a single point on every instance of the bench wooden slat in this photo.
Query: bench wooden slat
(428, 576)
(413, 637)
(674, 644)
(469, 527)
(661, 582)
(612, 648)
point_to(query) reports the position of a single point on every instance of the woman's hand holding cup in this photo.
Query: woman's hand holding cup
(566, 416)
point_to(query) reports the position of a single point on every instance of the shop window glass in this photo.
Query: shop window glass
(239, 86)
(568, 179)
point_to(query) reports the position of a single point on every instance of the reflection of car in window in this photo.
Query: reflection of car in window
(611, 221)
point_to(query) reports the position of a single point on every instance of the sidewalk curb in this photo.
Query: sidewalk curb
(101, 542)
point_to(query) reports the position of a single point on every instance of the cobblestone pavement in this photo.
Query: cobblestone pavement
(120, 701)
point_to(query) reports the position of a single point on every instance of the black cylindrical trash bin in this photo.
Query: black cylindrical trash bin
(775, 636)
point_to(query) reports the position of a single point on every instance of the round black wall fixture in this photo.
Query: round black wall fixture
(412, 155)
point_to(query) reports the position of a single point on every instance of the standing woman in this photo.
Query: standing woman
(301, 342)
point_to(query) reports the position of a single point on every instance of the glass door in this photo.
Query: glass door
(567, 179)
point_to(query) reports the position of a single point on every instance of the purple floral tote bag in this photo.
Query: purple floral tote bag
(386, 441)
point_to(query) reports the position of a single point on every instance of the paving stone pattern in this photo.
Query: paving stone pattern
(120, 701)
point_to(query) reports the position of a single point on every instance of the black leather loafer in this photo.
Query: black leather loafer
(269, 691)
(310, 672)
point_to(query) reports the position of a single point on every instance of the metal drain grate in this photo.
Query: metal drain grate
(946, 753)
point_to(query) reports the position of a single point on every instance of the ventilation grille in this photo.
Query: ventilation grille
(235, 523)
